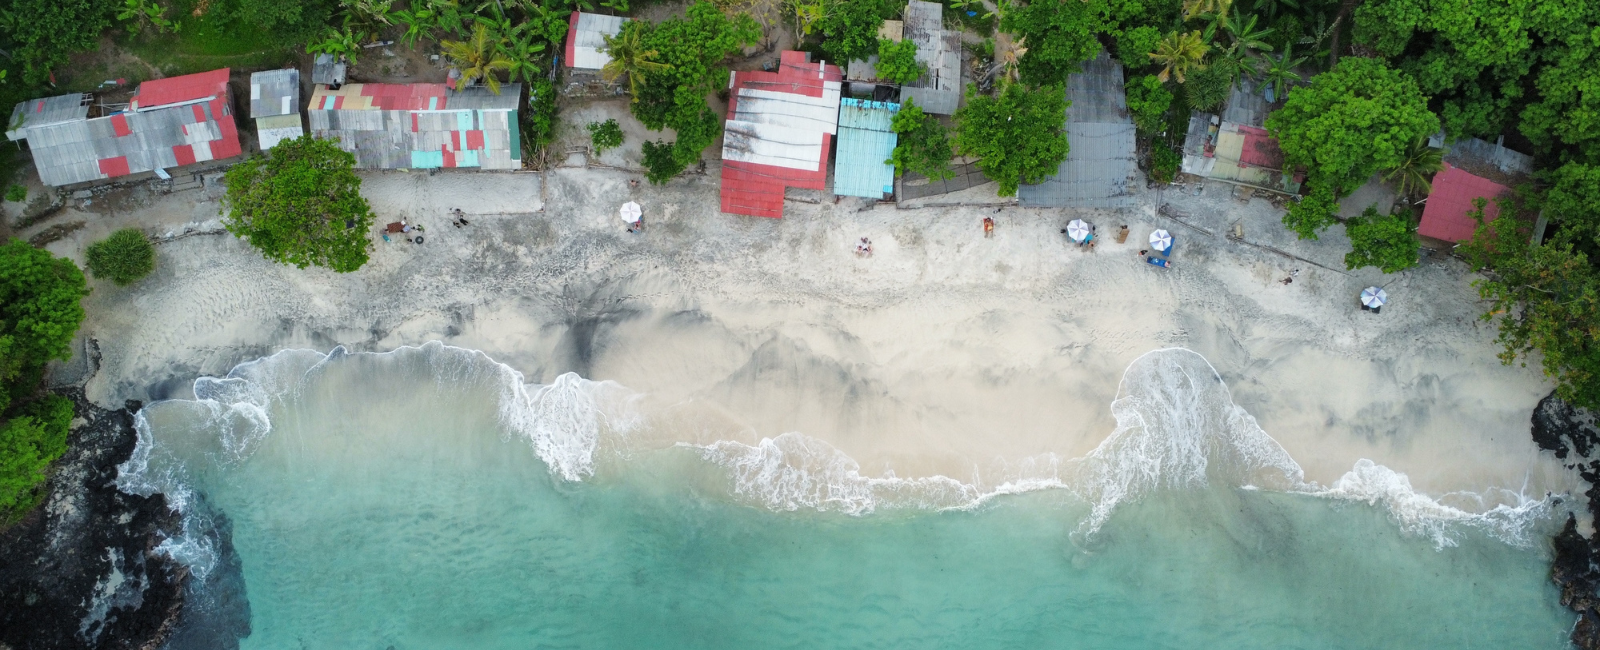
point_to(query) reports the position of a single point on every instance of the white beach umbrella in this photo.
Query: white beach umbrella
(1374, 297)
(1161, 240)
(1078, 230)
(631, 212)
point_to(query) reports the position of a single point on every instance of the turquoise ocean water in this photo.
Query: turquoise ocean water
(427, 499)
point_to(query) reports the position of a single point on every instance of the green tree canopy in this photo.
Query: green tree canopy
(301, 205)
(43, 34)
(1313, 213)
(1148, 101)
(850, 27)
(922, 146)
(1019, 136)
(1545, 298)
(124, 258)
(30, 440)
(1351, 122)
(692, 48)
(1573, 203)
(1059, 37)
(1388, 242)
(897, 62)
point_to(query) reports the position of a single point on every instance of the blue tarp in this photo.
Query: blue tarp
(866, 140)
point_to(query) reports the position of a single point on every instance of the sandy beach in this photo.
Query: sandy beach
(942, 353)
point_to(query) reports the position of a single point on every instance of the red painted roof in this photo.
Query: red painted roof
(1445, 216)
(1260, 148)
(114, 166)
(572, 39)
(406, 97)
(173, 90)
(757, 190)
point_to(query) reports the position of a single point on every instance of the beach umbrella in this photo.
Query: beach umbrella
(631, 212)
(1161, 240)
(1078, 230)
(1374, 297)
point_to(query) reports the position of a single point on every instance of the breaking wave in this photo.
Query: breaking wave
(1178, 428)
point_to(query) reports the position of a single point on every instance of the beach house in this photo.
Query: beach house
(420, 126)
(939, 51)
(866, 141)
(1234, 146)
(167, 123)
(586, 40)
(1473, 169)
(1100, 170)
(779, 131)
(275, 106)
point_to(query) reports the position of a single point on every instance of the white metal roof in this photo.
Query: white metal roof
(590, 40)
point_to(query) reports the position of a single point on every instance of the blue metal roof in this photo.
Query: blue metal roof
(866, 140)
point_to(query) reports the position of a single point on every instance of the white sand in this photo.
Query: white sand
(943, 353)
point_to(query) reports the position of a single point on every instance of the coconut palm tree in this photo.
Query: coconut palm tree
(479, 57)
(1417, 166)
(1193, 8)
(1179, 53)
(1008, 57)
(629, 57)
(1279, 71)
(1246, 38)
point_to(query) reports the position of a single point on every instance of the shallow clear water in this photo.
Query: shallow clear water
(393, 504)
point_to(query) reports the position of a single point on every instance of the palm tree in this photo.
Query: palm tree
(1193, 8)
(1279, 72)
(1179, 53)
(1417, 166)
(523, 49)
(1244, 34)
(1008, 56)
(629, 57)
(478, 57)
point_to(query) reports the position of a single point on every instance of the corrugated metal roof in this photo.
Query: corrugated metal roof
(276, 92)
(46, 111)
(866, 140)
(1473, 152)
(778, 134)
(88, 150)
(327, 71)
(586, 39)
(1100, 165)
(402, 126)
(1246, 105)
(938, 91)
(174, 90)
(1445, 215)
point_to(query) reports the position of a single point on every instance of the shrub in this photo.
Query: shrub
(1388, 242)
(29, 442)
(922, 146)
(605, 136)
(897, 62)
(1164, 162)
(659, 164)
(1313, 213)
(1148, 100)
(124, 258)
(17, 194)
(1018, 135)
(1135, 45)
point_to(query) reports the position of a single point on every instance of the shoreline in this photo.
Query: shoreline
(944, 353)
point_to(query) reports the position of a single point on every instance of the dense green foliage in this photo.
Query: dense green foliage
(1573, 203)
(1494, 66)
(692, 48)
(1059, 36)
(1388, 242)
(1019, 135)
(1351, 122)
(33, 437)
(39, 314)
(1135, 45)
(605, 136)
(1164, 162)
(850, 27)
(301, 205)
(538, 121)
(922, 146)
(17, 193)
(1148, 101)
(659, 163)
(897, 62)
(42, 34)
(1546, 298)
(1313, 213)
(124, 258)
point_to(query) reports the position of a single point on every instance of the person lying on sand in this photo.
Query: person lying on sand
(864, 247)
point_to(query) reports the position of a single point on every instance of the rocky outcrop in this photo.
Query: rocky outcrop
(82, 570)
(1571, 434)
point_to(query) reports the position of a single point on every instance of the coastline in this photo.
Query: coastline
(944, 353)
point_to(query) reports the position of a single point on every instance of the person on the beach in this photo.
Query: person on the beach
(1287, 281)
(864, 247)
(633, 182)
(1144, 252)
(637, 226)
(988, 226)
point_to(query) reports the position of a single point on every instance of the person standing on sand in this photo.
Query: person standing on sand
(988, 227)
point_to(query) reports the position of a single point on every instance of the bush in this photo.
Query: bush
(1148, 101)
(1164, 162)
(605, 136)
(1313, 213)
(897, 62)
(124, 258)
(1388, 242)
(539, 122)
(29, 442)
(17, 194)
(1018, 136)
(921, 146)
(659, 164)
(1135, 45)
